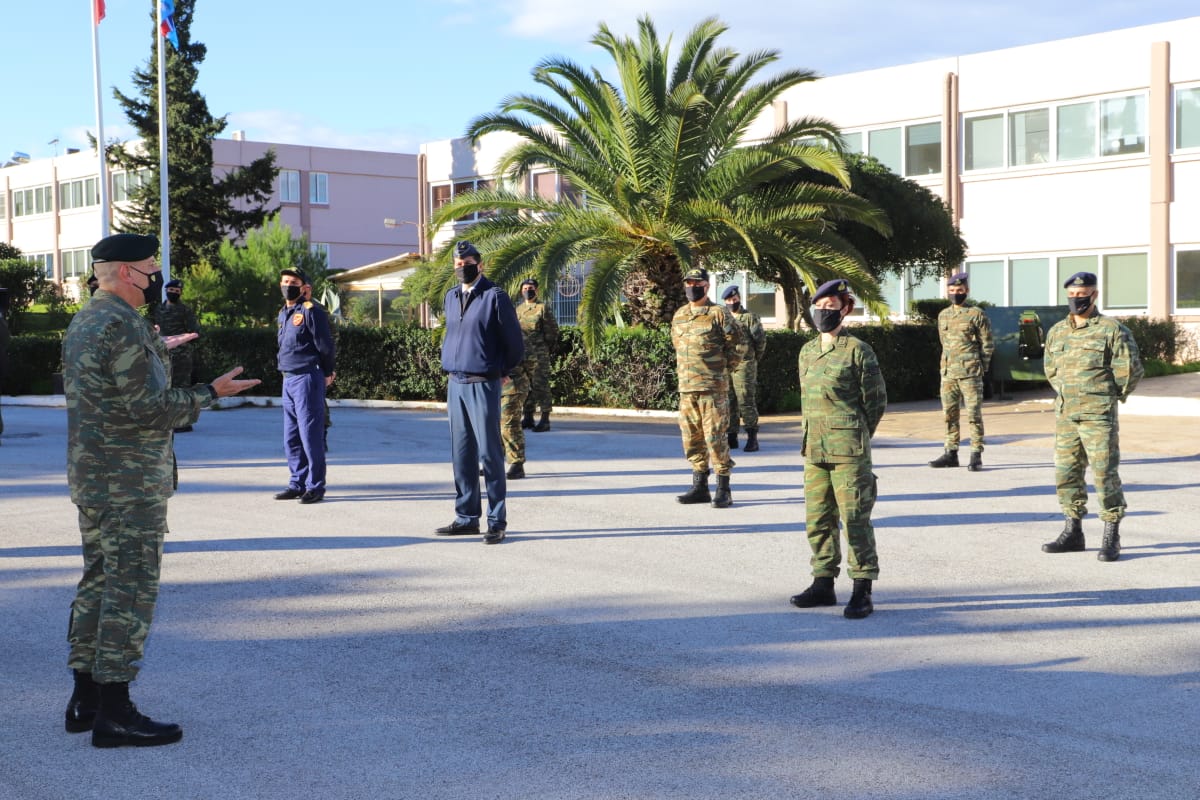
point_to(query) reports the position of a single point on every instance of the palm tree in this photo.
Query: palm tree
(664, 179)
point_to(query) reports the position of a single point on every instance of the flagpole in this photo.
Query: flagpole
(97, 15)
(165, 223)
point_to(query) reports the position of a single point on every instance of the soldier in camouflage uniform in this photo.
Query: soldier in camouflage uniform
(1092, 362)
(512, 403)
(967, 347)
(173, 319)
(541, 333)
(708, 347)
(743, 389)
(121, 409)
(843, 397)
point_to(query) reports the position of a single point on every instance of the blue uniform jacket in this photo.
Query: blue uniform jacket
(485, 339)
(305, 341)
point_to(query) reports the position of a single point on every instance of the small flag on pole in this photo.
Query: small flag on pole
(168, 21)
(98, 10)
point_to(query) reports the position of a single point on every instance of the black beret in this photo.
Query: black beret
(696, 274)
(125, 247)
(295, 273)
(730, 291)
(1080, 279)
(174, 283)
(838, 286)
(958, 279)
(465, 249)
(531, 281)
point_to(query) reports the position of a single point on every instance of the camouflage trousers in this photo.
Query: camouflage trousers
(703, 421)
(114, 602)
(743, 396)
(1080, 439)
(847, 491)
(181, 366)
(539, 398)
(965, 393)
(512, 405)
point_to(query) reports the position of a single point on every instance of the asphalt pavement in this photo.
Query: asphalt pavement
(619, 645)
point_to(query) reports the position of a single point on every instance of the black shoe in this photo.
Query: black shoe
(976, 464)
(1110, 548)
(723, 498)
(1069, 541)
(515, 472)
(751, 441)
(184, 429)
(457, 528)
(699, 491)
(308, 498)
(289, 494)
(820, 593)
(119, 724)
(860, 605)
(495, 535)
(731, 439)
(527, 420)
(543, 424)
(84, 703)
(946, 459)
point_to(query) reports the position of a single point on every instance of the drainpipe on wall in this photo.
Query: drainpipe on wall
(1159, 102)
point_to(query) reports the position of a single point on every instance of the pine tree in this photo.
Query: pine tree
(204, 209)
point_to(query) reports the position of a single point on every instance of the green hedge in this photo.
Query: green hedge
(33, 358)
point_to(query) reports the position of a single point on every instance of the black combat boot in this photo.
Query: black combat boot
(699, 491)
(515, 472)
(1070, 540)
(723, 498)
(732, 438)
(1110, 548)
(860, 605)
(976, 464)
(751, 441)
(84, 703)
(527, 420)
(820, 593)
(543, 424)
(119, 724)
(946, 459)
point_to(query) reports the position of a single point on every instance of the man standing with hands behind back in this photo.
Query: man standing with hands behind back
(967, 347)
(483, 344)
(121, 409)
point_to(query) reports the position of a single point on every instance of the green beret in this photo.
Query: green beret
(697, 274)
(125, 247)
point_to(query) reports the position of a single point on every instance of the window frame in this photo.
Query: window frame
(289, 189)
(318, 188)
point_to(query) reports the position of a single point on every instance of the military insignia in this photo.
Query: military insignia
(1079, 281)
(842, 287)
(297, 319)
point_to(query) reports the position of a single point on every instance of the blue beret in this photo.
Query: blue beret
(838, 286)
(1080, 279)
(958, 279)
(125, 247)
(465, 249)
(295, 273)
(696, 274)
(174, 283)
(730, 291)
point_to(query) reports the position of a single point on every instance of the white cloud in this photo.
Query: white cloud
(292, 127)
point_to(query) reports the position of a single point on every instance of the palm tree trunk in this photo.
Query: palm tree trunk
(655, 292)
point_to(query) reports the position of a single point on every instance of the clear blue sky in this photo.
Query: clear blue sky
(390, 75)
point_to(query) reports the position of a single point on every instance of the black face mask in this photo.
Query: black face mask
(695, 293)
(153, 291)
(1079, 305)
(290, 293)
(734, 306)
(173, 297)
(827, 319)
(92, 288)
(529, 294)
(958, 299)
(467, 273)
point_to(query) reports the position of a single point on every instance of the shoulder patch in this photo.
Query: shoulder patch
(308, 303)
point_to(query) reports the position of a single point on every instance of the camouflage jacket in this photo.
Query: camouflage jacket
(120, 406)
(967, 346)
(173, 319)
(753, 333)
(1091, 366)
(843, 397)
(709, 345)
(539, 326)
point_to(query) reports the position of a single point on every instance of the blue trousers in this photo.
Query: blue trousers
(304, 430)
(474, 410)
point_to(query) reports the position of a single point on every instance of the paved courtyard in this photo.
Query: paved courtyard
(619, 645)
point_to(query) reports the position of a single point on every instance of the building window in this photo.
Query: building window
(987, 281)
(852, 142)
(984, 142)
(1123, 125)
(318, 188)
(923, 149)
(1029, 281)
(1187, 118)
(78, 194)
(1029, 137)
(884, 145)
(1076, 131)
(45, 262)
(1187, 280)
(910, 150)
(439, 196)
(545, 185)
(124, 184)
(320, 249)
(1125, 281)
(3, 205)
(289, 186)
(27, 202)
(76, 263)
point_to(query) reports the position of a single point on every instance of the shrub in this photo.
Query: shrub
(1156, 338)
(33, 358)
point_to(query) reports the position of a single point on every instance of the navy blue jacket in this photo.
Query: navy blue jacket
(486, 339)
(305, 341)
